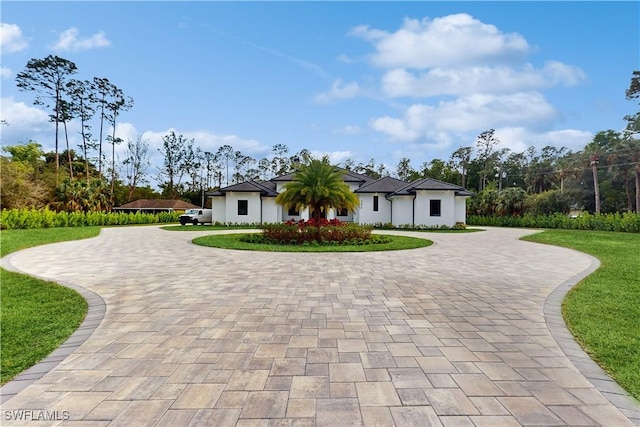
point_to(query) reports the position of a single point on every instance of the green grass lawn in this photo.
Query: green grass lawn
(14, 240)
(232, 241)
(252, 227)
(603, 310)
(36, 316)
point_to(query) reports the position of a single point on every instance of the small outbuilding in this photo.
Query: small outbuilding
(155, 206)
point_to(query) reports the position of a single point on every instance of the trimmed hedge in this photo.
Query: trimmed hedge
(627, 222)
(33, 218)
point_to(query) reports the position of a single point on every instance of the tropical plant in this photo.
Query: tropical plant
(510, 201)
(319, 187)
(84, 196)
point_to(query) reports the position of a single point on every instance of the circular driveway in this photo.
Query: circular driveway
(463, 332)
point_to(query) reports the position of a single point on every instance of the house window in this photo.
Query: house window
(375, 203)
(243, 207)
(435, 207)
(342, 212)
(293, 211)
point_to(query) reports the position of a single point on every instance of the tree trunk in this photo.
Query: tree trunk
(638, 188)
(85, 148)
(596, 187)
(69, 158)
(57, 156)
(113, 160)
(100, 141)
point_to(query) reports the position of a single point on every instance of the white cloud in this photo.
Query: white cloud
(68, 41)
(11, 38)
(206, 140)
(475, 112)
(5, 72)
(451, 40)
(397, 129)
(563, 74)
(348, 130)
(335, 157)
(479, 79)
(25, 122)
(518, 139)
(339, 90)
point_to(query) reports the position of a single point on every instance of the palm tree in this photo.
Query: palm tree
(319, 187)
(510, 201)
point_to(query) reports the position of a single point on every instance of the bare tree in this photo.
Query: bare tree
(117, 104)
(486, 143)
(82, 107)
(461, 158)
(47, 78)
(224, 154)
(136, 163)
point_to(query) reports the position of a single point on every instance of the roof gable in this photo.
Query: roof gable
(264, 188)
(427, 184)
(347, 176)
(385, 184)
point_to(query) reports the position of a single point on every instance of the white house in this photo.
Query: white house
(425, 202)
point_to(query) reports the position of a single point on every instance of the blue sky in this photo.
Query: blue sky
(357, 80)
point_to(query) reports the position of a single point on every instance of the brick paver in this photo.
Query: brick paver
(464, 332)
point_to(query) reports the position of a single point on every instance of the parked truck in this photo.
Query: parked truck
(196, 216)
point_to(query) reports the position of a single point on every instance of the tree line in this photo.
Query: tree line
(604, 176)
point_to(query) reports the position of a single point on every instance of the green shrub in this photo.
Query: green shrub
(547, 203)
(627, 222)
(15, 219)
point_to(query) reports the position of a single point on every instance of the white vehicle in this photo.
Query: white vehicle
(196, 216)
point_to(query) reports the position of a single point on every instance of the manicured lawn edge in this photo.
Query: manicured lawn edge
(204, 227)
(47, 314)
(603, 310)
(232, 241)
(256, 227)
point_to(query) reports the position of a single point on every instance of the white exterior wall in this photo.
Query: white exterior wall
(351, 216)
(218, 209)
(402, 210)
(271, 212)
(304, 214)
(447, 208)
(366, 214)
(461, 209)
(253, 208)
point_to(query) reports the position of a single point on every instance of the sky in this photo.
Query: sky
(352, 80)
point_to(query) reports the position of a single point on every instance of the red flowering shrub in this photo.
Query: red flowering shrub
(321, 232)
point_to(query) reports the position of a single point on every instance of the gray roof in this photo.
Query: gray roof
(265, 188)
(347, 176)
(430, 184)
(385, 184)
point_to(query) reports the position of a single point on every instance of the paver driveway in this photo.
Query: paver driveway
(452, 334)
